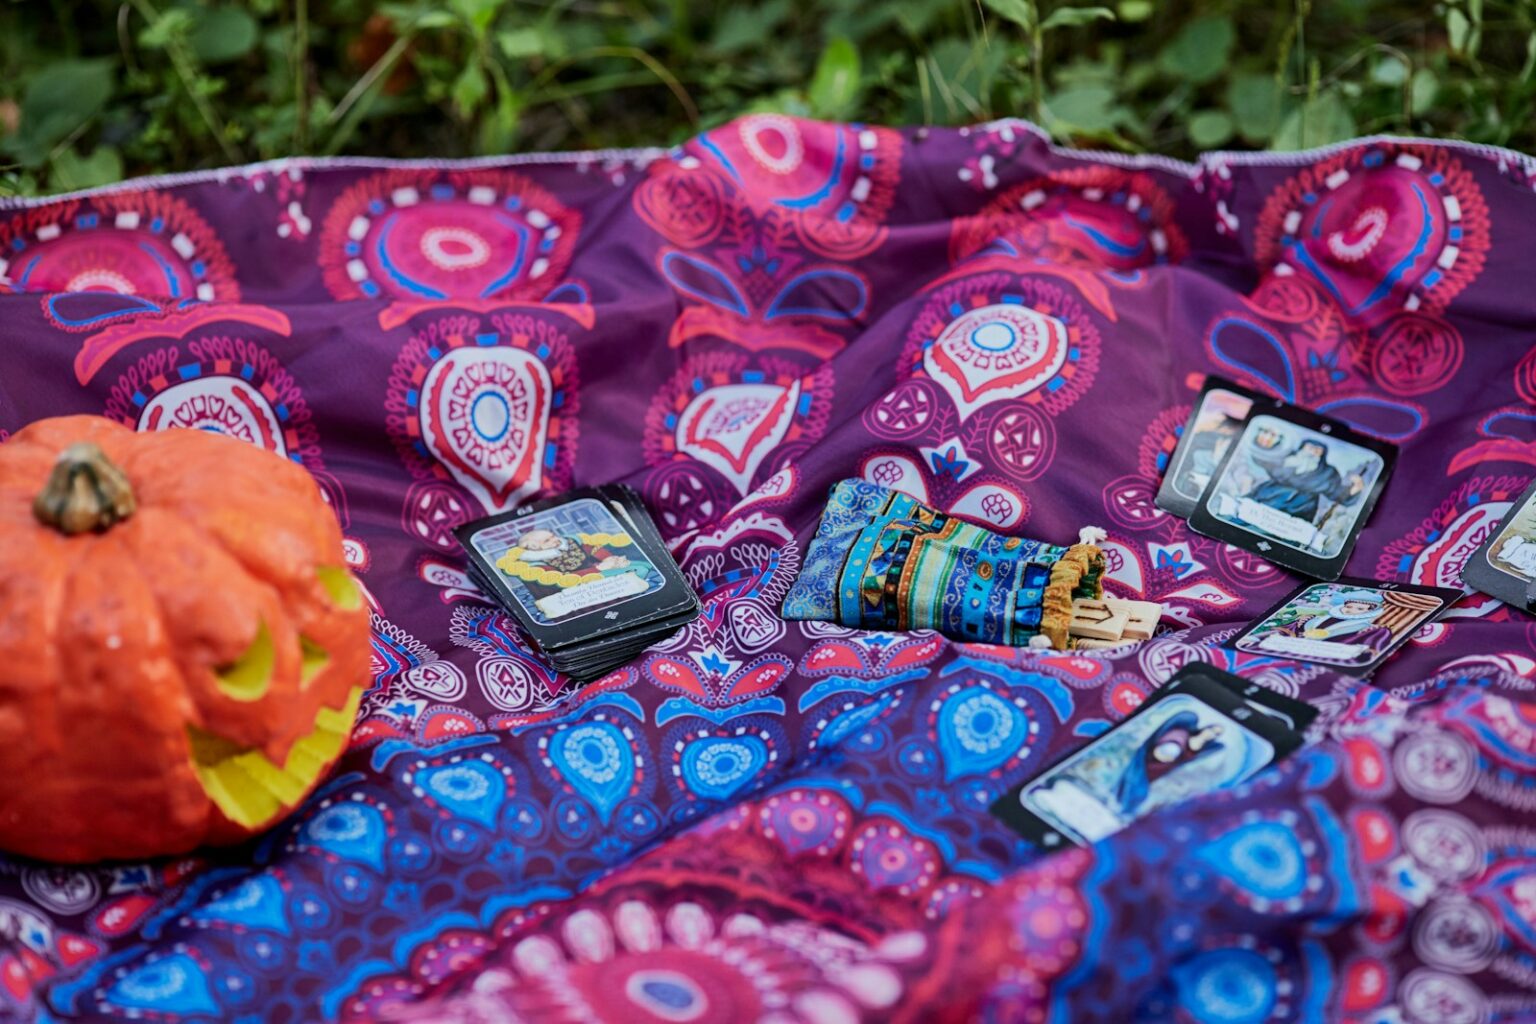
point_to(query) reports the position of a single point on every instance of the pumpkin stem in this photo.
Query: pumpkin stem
(84, 492)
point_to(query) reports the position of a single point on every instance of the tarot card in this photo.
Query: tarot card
(1296, 715)
(574, 568)
(1352, 625)
(1199, 733)
(1220, 410)
(1504, 565)
(1296, 488)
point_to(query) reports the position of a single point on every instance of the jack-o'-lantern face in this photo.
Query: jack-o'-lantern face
(185, 649)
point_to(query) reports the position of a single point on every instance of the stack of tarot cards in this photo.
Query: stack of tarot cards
(586, 575)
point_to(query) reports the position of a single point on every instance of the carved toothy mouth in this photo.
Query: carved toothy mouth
(250, 788)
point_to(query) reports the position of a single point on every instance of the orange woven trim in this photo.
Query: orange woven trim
(1078, 573)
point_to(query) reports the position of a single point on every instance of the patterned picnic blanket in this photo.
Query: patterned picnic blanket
(761, 819)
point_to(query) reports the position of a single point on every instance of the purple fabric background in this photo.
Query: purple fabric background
(731, 328)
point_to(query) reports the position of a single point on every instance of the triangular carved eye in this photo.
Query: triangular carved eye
(340, 585)
(248, 676)
(824, 292)
(704, 281)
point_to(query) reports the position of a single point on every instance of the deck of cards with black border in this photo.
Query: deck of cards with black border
(586, 575)
(1203, 731)
(1504, 564)
(1284, 482)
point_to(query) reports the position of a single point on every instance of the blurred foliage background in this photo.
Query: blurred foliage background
(93, 90)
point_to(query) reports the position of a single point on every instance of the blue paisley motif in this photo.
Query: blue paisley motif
(174, 985)
(978, 731)
(469, 789)
(716, 767)
(1264, 858)
(350, 830)
(255, 903)
(1226, 986)
(596, 759)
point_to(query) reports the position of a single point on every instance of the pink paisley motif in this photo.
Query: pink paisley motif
(144, 244)
(1380, 228)
(1075, 223)
(717, 687)
(492, 411)
(438, 236)
(737, 416)
(834, 183)
(1000, 337)
(1525, 377)
(871, 655)
(225, 385)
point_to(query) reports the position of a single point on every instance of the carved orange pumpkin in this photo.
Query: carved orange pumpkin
(182, 648)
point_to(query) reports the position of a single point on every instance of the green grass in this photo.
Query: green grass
(95, 91)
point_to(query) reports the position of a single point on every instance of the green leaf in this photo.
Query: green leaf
(1423, 91)
(222, 34)
(434, 19)
(468, 90)
(1134, 10)
(915, 16)
(1458, 29)
(1254, 101)
(1210, 128)
(1318, 122)
(1020, 12)
(70, 171)
(59, 99)
(1389, 71)
(1089, 108)
(1199, 52)
(743, 26)
(169, 25)
(835, 87)
(478, 13)
(523, 43)
(964, 73)
(1072, 16)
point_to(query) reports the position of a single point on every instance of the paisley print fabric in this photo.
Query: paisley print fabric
(783, 819)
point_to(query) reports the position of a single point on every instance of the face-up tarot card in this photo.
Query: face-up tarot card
(1205, 730)
(1296, 488)
(586, 575)
(1504, 565)
(1352, 625)
(1217, 419)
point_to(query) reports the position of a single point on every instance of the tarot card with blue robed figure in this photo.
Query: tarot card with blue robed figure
(1216, 420)
(1351, 625)
(1206, 730)
(1296, 488)
(586, 576)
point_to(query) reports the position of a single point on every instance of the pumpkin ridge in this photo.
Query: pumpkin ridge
(289, 597)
